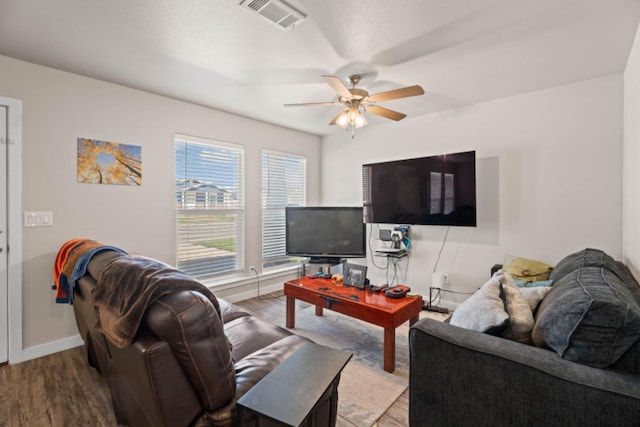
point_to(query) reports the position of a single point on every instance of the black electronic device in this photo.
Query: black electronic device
(378, 288)
(384, 235)
(325, 234)
(397, 291)
(436, 190)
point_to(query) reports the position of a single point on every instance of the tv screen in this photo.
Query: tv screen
(436, 190)
(323, 233)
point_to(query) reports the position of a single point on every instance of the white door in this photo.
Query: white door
(4, 291)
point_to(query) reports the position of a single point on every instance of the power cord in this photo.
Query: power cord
(406, 270)
(391, 262)
(452, 292)
(394, 261)
(432, 305)
(373, 259)
(253, 269)
(435, 266)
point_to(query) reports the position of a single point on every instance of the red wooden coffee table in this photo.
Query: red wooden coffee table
(368, 306)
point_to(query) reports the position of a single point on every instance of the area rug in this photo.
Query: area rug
(366, 391)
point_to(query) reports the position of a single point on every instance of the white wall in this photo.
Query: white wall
(539, 195)
(549, 174)
(631, 180)
(58, 108)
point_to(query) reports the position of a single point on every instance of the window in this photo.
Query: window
(209, 207)
(284, 182)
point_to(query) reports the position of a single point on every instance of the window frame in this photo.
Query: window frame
(237, 237)
(282, 261)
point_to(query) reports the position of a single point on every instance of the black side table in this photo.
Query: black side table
(289, 393)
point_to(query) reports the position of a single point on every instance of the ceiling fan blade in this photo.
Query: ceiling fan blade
(397, 93)
(385, 112)
(307, 104)
(338, 86)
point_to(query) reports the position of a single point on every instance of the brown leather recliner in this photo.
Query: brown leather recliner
(189, 361)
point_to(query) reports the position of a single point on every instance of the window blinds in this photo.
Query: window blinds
(283, 184)
(209, 207)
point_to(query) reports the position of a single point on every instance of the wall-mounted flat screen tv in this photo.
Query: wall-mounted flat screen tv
(325, 233)
(436, 190)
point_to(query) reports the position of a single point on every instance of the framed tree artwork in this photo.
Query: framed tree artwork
(104, 162)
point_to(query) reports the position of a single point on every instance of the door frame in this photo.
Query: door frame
(14, 227)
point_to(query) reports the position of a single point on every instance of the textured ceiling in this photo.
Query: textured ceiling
(218, 54)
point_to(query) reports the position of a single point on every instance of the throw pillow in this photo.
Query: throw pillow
(596, 258)
(540, 283)
(527, 270)
(590, 258)
(520, 315)
(534, 296)
(589, 316)
(483, 311)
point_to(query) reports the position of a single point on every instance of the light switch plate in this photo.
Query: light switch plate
(38, 219)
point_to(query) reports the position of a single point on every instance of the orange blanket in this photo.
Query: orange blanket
(70, 265)
(60, 281)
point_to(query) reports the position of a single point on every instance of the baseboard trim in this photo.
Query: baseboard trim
(51, 347)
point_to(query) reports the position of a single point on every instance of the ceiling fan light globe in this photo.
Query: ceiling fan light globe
(343, 119)
(360, 120)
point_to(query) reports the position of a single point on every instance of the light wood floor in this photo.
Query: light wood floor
(273, 306)
(56, 390)
(62, 390)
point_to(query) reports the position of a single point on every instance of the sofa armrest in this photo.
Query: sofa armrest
(461, 377)
(151, 387)
(251, 369)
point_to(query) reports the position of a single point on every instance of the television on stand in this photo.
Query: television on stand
(325, 234)
(435, 190)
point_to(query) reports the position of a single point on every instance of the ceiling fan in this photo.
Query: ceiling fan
(356, 101)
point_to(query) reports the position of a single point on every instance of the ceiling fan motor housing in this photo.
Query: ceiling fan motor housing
(357, 94)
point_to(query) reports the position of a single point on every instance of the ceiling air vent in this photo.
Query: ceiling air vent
(276, 11)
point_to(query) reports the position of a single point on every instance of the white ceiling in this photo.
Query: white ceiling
(219, 54)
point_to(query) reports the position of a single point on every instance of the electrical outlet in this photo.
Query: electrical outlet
(445, 279)
(440, 279)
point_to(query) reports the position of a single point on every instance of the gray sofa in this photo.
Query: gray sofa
(582, 371)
